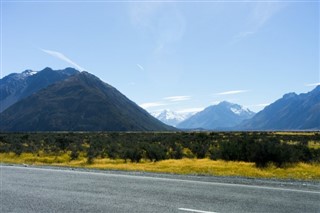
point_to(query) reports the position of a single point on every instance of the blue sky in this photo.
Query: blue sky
(176, 55)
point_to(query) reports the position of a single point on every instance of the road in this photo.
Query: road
(34, 189)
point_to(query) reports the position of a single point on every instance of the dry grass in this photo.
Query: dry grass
(183, 166)
(314, 144)
(295, 133)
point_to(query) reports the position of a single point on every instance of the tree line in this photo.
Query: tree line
(261, 148)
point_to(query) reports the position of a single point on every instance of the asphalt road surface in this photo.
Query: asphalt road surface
(34, 189)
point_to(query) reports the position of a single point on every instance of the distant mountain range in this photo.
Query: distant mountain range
(17, 86)
(69, 100)
(170, 117)
(291, 112)
(222, 116)
(79, 102)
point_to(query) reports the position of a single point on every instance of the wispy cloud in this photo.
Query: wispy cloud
(259, 15)
(152, 104)
(313, 84)
(163, 23)
(172, 100)
(143, 13)
(242, 35)
(232, 92)
(63, 58)
(140, 67)
(264, 11)
(177, 98)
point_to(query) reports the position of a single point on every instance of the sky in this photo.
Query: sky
(177, 55)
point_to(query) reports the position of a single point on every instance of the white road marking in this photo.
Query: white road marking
(194, 210)
(162, 179)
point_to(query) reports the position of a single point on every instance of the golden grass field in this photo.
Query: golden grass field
(184, 166)
(295, 133)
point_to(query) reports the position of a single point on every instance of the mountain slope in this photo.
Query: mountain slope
(170, 117)
(291, 112)
(82, 102)
(218, 117)
(17, 86)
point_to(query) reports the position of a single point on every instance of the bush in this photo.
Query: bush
(214, 152)
(74, 154)
(199, 149)
(176, 152)
(113, 150)
(155, 152)
(261, 148)
(273, 151)
(134, 154)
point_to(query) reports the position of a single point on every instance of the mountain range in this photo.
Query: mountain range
(217, 117)
(291, 112)
(69, 100)
(17, 86)
(80, 102)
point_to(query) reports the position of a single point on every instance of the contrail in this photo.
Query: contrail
(63, 58)
(141, 67)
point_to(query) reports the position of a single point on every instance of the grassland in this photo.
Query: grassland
(205, 166)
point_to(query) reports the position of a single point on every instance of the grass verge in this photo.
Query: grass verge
(300, 171)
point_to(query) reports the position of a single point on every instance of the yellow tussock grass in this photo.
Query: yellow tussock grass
(184, 166)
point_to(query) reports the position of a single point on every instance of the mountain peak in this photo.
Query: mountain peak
(88, 79)
(170, 117)
(225, 103)
(235, 108)
(291, 112)
(81, 102)
(28, 73)
(289, 95)
(219, 117)
(70, 70)
(17, 86)
(47, 69)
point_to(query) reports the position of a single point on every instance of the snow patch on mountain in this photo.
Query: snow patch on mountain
(222, 116)
(28, 73)
(171, 117)
(239, 110)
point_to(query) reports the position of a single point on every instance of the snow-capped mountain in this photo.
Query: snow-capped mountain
(20, 76)
(78, 102)
(240, 110)
(217, 117)
(170, 117)
(17, 86)
(27, 73)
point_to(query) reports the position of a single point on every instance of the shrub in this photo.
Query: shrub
(134, 154)
(74, 154)
(177, 152)
(199, 149)
(155, 152)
